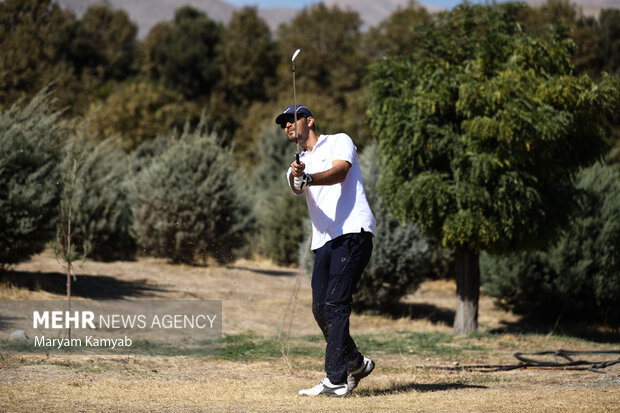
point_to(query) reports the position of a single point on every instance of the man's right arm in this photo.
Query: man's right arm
(291, 184)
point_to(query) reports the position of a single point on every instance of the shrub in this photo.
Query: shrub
(189, 203)
(30, 151)
(138, 112)
(579, 275)
(401, 256)
(103, 211)
(279, 213)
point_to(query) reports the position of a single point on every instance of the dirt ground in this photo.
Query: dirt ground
(255, 296)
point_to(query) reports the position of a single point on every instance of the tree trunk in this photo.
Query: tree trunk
(467, 269)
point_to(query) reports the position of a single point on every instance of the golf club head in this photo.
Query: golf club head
(295, 54)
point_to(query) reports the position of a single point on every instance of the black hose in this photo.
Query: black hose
(568, 363)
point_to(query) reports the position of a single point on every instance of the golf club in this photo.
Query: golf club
(295, 105)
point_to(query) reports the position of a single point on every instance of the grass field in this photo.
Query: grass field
(252, 373)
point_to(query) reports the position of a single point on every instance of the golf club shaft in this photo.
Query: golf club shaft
(295, 106)
(295, 117)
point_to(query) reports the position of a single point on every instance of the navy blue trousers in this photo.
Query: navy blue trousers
(338, 267)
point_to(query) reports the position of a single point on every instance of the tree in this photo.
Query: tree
(111, 38)
(247, 57)
(482, 131)
(30, 152)
(330, 60)
(577, 276)
(102, 198)
(398, 34)
(189, 205)
(401, 256)
(609, 20)
(330, 67)
(279, 214)
(137, 112)
(563, 18)
(31, 34)
(181, 54)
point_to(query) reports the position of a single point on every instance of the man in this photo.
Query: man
(342, 229)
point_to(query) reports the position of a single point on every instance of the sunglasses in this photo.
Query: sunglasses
(291, 120)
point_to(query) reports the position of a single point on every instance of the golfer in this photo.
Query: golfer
(329, 175)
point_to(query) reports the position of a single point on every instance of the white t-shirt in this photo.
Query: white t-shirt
(336, 209)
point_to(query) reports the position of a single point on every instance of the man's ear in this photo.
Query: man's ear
(310, 121)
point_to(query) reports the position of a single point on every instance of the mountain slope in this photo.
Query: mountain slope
(147, 13)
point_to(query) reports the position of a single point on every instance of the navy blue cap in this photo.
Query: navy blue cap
(288, 113)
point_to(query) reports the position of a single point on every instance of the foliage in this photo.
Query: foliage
(103, 40)
(138, 112)
(103, 215)
(189, 203)
(401, 256)
(577, 276)
(279, 214)
(400, 33)
(181, 54)
(483, 129)
(30, 152)
(248, 58)
(330, 68)
(609, 20)
(31, 34)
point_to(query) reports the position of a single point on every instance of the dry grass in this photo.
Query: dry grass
(255, 295)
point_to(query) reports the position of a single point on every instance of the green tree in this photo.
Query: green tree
(563, 18)
(578, 276)
(181, 54)
(31, 37)
(189, 203)
(103, 201)
(329, 69)
(247, 57)
(398, 34)
(137, 112)
(110, 39)
(482, 131)
(279, 214)
(30, 152)
(331, 60)
(609, 36)
(401, 256)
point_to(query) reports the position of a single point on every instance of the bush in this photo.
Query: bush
(138, 112)
(103, 210)
(401, 256)
(579, 275)
(30, 152)
(189, 203)
(279, 213)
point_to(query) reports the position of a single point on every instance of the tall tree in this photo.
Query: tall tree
(181, 54)
(610, 39)
(482, 131)
(30, 154)
(114, 37)
(247, 57)
(329, 69)
(138, 112)
(398, 34)
(31, 32)
(331, 60)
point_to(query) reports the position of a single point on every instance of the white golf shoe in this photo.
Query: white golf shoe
(326, 388)
(354, 377)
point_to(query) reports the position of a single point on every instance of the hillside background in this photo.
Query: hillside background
(147, 13)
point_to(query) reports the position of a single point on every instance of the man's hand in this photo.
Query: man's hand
(302, 182)
(297, 168)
